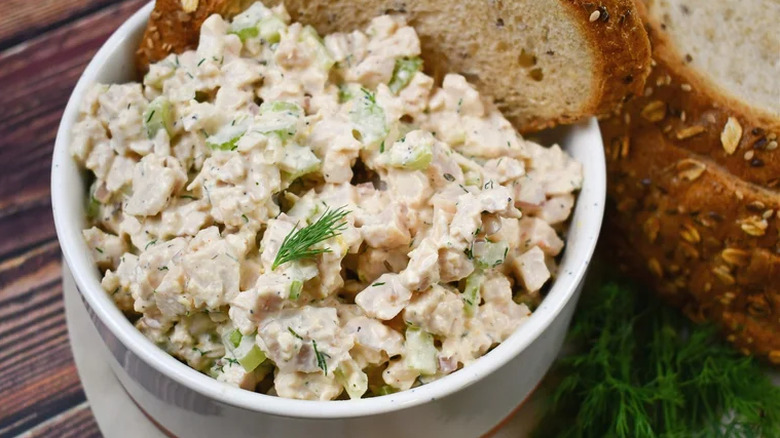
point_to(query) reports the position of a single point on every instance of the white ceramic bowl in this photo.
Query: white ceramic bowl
(467, 403)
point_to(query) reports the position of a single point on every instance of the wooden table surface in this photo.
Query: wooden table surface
(44, 47)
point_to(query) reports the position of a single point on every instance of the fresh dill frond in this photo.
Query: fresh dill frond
(641, 369)
(289, 329)
(320, 356)
(298, 244)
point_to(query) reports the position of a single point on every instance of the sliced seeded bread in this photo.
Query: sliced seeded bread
(544, 61)
(715, 87)
(694, 179)
(174, 26)
(704, 239)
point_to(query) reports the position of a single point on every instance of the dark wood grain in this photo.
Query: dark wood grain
(47, 45)
(22, 19)
(38, 79)
(76, 423)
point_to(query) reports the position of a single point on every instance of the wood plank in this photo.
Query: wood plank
(37, 78)
(39, 378)
(78, 422)
(42, 395)
(21, 19)
(68, 392)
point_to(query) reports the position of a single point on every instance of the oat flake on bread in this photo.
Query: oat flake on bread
(694, 167)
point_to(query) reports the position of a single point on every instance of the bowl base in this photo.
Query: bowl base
(118, 415)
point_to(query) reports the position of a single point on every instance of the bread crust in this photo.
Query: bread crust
(666, 53)
(172, 29)
(616, 39)
(702, 238)
(622, 57)
(694, 206)
(692, 100)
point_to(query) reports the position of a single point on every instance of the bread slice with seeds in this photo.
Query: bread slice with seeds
(694, 173)
(715, 88)
(174, 26)
(544, 61)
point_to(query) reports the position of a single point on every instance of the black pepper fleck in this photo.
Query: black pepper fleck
(715, 216)
(500, 22)
(604, 15)
(760, 144)
(757, 162)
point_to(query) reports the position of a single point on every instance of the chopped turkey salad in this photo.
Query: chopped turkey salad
(315, 218)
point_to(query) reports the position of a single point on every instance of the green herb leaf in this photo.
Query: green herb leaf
(321, 363)
(298, 244)
(371, 97)
(643, 370)
(293, 333)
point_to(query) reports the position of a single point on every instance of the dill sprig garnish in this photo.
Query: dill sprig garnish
(298, 244)
(641, 369)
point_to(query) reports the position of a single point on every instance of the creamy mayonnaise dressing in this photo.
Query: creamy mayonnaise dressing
(202, 171)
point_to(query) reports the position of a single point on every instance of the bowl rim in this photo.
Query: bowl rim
(77, 257)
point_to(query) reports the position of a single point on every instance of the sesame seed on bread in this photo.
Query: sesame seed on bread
(545, 62)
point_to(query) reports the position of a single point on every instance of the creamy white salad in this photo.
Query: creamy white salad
(315, 218)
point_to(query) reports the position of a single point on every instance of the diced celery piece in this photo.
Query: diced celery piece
(281, 106)
(311, 38)
(298, 161)
(93, 205)
(93, 208)
(410, 156)
(491, 254)
(300, 272)
(231, 339)
(158, 115)
(471, 295)
(385, 390)
(421, 353)
(354, 380)
(257, 20)
(226, 139)
(295, 289)
(404, 69)
(345, 93)
(248, 354)
(279, 117)
(368, 118)
(271, 28)
(246, 33)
